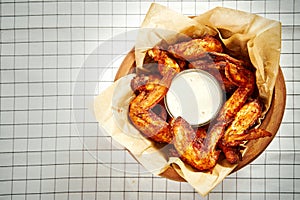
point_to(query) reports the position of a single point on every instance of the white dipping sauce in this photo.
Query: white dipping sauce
(194, 95)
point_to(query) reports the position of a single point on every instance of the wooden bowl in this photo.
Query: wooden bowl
(271, 122)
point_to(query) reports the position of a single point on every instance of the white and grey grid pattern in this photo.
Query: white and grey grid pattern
(51, 147)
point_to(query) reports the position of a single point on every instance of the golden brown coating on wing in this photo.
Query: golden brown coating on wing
(232, 154)
(243, 120)
(245, 80)
(240, 76)
(146, 120)
(201, 134)
(237, 132)
(142, 82)
(218, 56)
(198, 152)
(156, 92)
(253, 134)
(164, 60)
(225, 84)
(208, 65)
(222, 66)
(234, 109)
(196, 48)
(152, 126)
(233, 105)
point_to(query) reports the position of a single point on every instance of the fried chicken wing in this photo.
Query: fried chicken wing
(151, 92)
(219, 56)
(253, 134)
(152, 126)
(164, 60)
(238, 132)
(142, 82)
(243, 120)
(146, 120)
(232, 74)
(232, 154)
(245, 80)
(198, 152)
(195, 48)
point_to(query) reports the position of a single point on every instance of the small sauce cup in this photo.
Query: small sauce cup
(195, 95)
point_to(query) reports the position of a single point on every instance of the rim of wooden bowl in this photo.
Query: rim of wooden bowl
(271, 121)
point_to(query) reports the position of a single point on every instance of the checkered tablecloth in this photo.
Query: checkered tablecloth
(51, 147)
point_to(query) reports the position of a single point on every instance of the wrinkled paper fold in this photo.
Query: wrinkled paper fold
(242, 33)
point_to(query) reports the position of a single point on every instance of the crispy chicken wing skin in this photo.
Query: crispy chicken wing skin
(237, 132)
(233, 105)
(232, 154)
(150, 94)
(142, 82)
(200, 154)
(165, 62)
(152, 126)
(219, 56)
(160, 110)
(254, 134)
(243, 120)
(153, 94)
(245, 80)
(196, 48)
(146, 120)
